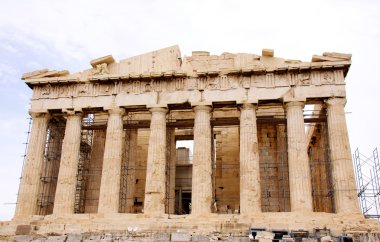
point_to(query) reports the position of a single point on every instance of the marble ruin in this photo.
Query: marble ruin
(270, 146)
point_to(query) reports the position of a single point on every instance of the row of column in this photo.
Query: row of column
(154, 204)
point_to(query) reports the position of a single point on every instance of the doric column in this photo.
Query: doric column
(30, 181)
(299, 169)
(201, 196)
(67, 176)
(131, 173)
(340, 155)
(113, 155)
(155, 185)
(250, 193)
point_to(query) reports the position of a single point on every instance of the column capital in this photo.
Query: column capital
(158, 110)
(202, 108)
(116, 110)
(294, 104)
(36, 114)
(247, 106)
(333, 101)
(72, 112)
(195, 104)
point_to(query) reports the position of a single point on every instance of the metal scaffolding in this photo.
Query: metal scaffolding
(83, 163)
(50, 167)
(367, 170)
(128, 170)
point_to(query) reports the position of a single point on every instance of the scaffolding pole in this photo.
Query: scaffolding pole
(367, 172)
(83, 164)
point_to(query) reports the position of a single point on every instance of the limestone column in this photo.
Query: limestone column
(113, 155)
(201, 196)
(340, 154)
(67, 176)
(155, 186)
(299, 169)
(250, 193)
(131, 172)
(30, 181)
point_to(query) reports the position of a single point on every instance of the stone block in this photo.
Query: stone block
(93, 238)
(23, 229)
(181, 236)
(60, 238)
(23, 238)
(161, 237)
(240, 239)
(74, 237)
(200, 238)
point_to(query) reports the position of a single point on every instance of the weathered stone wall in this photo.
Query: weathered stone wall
(95, 171)
(320, 168)
(140, 169)
(227, 178)
(273, 168)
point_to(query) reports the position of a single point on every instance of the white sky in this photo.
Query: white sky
(67, 34)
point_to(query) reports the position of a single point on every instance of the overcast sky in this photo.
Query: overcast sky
(67, 34)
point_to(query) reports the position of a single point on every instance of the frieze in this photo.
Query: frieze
(202, 83)
(327, 77)
(222, 82)
(339, 77)
(304, 78)
(259, 81)
(269, 80)
(316, 78)
(281, 80)
(191, 84)
(245, 81)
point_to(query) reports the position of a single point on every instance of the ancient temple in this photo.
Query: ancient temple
(270, 146)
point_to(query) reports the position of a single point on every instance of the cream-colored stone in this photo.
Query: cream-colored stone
(299, 169)
(342, 168)
(65, 193)
(106, 60)
(201, 196)
(268, 52)
(30, 181)
(250, 193)
(110, 183)
(155, 187)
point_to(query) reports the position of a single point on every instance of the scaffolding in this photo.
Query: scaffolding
(50, 166)
(367, 171)
(26, 143)
(169, 199)
(126, 170)
(83, 163)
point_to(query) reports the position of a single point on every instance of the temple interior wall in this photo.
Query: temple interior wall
(273, 168)
(227, 170)
(95, 172)
(140, 169)
(320, 168)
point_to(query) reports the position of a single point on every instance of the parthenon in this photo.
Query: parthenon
(268, 136)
